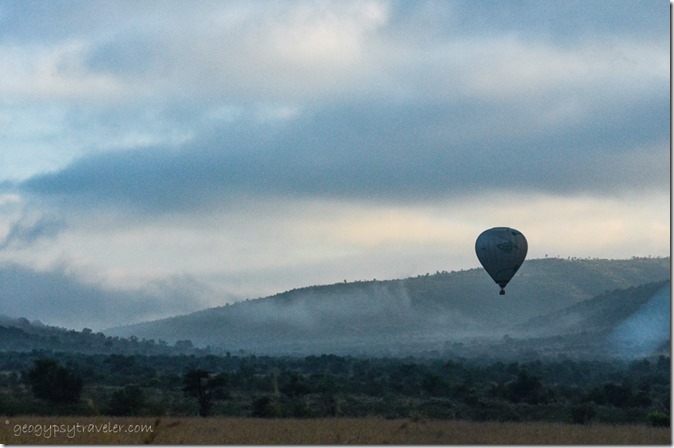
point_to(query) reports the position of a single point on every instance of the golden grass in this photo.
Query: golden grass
(333, 431)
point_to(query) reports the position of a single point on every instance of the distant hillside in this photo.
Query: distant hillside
(397, 316)
(606, 311)
(630, 322)
(21, 335)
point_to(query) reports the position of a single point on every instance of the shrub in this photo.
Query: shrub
(582, 414)
(659, 419)
(267, 407)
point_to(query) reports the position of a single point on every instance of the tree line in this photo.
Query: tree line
(578, 391)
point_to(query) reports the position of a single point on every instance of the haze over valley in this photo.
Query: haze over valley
(430, 312)
(576, 307)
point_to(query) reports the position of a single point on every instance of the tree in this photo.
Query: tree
(204, 386)
(435, 385)
(267, 407)
(295, 386)
(127, 401)
(53, 382)
(617, 395)
(526, 388)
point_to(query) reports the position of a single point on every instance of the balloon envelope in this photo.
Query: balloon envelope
(501, 251)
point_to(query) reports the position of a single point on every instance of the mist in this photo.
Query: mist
(349, 318)
(550, 298)
(646, 330)
(430, 313)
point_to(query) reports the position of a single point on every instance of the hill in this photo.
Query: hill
(21, 335)
(606, 312)
(423, 313)
(624, 323)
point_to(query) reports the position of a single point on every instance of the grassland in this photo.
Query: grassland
(333, 431)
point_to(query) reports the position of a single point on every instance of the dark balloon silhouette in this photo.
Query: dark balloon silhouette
(501, 251)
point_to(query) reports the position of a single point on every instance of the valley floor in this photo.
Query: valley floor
(332, 431)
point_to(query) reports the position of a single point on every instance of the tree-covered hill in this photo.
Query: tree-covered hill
(21, 335)
(427, 312)
(606, 311)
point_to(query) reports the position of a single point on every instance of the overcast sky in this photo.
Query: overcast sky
(159, 157)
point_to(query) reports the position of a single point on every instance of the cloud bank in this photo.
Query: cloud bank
(56, 298)
(261, 147)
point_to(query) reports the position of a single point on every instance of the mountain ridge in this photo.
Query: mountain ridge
(399, 315)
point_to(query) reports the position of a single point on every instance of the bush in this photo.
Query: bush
(659, 419)
(299, 408)
(267, 407)
(582, 414)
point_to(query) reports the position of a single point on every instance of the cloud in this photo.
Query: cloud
(57, 298)
(53, 72)
(311, 51)
(373, 151)
(348, 99)
(27, 231)
(200, 50)
(264, 246)
(261, 147)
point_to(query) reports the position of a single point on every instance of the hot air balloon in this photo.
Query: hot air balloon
(501, 251)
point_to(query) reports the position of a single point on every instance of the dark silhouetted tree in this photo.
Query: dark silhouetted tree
(204, 386)
(54, 383)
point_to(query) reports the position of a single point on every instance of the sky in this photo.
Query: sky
(160, 157)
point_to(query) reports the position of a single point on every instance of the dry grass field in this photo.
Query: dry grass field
(334, 431)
